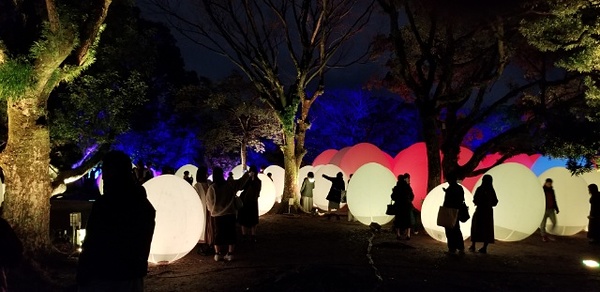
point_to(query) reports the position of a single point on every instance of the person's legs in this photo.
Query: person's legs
(552, 217)
(484, 248)
(473, 246)
(543, 225)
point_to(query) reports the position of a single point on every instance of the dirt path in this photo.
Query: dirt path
(301, 253)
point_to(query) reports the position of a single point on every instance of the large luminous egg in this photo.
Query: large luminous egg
(431, 207)
(179, 217)
(237, 171)
(278, 176)
(361, 154)
(572, 197)
(369, 193)
(337, 158)
(413, 160)
(324, 157)
(267, 195)
(520, 201)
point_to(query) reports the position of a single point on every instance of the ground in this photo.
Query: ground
(304, 253)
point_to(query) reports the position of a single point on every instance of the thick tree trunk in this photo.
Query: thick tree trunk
(292, 158)
(26, 162)
(432, 143)
(244, 154)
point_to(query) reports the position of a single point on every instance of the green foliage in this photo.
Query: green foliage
(570, 29)
(16, 77)
(232, 116)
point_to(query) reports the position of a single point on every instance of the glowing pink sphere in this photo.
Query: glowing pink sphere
(337, 158)
(361, 154)
(324, 157)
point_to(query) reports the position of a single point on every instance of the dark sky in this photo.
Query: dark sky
(214, 66)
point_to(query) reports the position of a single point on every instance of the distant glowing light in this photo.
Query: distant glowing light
(591, 263)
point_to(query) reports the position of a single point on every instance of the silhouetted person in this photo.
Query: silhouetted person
(551, 209)
(187, 177)
(306, 192)
(402, 195)
(335, 193)
(248, 214)
(11, 251)
(454, 198)
(594, 217)
(230, 176)
(207, 235)
(119, 231)
(482, 226)
(220, 203)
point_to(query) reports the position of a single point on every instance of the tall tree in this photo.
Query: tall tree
(41, 44)
(129, 88)
(569, 29)
(461, 64)
(234, 119)
(283, 47)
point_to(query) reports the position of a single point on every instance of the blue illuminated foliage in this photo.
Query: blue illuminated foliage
(346, 117)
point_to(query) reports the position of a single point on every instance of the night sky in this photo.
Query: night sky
(214, 66)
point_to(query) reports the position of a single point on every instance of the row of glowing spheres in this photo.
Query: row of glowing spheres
(180, 214)
(179, 224)
(518, 184)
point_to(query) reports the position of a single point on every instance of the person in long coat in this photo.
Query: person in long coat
(306, 192)
(207, 235)
(594, 217)
(335, 193)
(248, 214)
(402, 195)
(482, 226)
(220, 201)
(454, 198)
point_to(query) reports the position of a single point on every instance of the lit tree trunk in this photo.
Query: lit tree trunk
(244, 153)
(26, 162)
(291, 163)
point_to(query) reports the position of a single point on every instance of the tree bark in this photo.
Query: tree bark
(244, 153)
(26, 161)
(432, 143)
(291, 163)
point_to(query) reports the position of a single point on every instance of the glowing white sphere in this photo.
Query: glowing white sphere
(267, 195)
(237, 171)
(592, 177)
(486, 162)
(544, 163)
(369, 193)
(361, 154)
(573, 201)
(338, 156)
(324, 157)
(524, 159)
(188, 167)
(179, 217)
(520, 201)
(323, 185)
(431, 207)
(278, 176)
